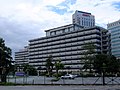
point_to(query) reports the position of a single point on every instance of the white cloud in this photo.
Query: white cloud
(104, 10)
(51, 2)
(22, 20)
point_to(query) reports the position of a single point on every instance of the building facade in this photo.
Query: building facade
(114, 28)
(22, 57)
(83, 19)
(65, 43)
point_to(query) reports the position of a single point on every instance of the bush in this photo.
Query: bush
(55, 79)
(57, 75)
(89, 75)
(7, 83)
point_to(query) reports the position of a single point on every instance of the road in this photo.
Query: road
(90, 87)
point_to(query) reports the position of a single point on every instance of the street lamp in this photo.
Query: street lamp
(103, 72)
(81, 73)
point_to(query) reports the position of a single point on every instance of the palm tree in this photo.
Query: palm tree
(49, 65)
(58, 65)
(5, 60)
(29, 70)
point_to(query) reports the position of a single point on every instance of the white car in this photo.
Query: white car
(68, 76)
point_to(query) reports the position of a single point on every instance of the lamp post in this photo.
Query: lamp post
(103, 73)
(81, 73)
(45, 76)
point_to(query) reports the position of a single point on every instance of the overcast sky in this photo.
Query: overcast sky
(22, 20)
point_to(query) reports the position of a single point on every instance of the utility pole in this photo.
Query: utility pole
(103, 73)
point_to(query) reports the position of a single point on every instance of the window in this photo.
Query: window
(55, 32)
(63, 31)
(50, 33)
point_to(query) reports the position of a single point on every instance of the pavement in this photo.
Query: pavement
(60, 87)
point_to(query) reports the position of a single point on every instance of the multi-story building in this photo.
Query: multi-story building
(22, 57)
(114, 28)
(65, 43)
(84, 19)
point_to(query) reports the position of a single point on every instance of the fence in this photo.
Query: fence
(76, 81)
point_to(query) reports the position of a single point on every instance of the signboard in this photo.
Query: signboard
(20, 73)
(85, 15)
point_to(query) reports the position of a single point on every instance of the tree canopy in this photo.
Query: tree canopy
(58, 65)
(106, 62)
(88, 52)
(29, 70)
(5, 60)
(49, 65)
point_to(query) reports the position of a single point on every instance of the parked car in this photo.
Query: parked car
(68, 76)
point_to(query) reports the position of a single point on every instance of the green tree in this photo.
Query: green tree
(58, 65)
(5, 60)
(99, 61)
(112, 64)
(49, 65)
(89, 53)
(29, 70)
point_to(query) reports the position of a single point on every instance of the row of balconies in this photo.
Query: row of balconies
(72, 35)
(40, 60)
(67, 41)
(72, 44)
(62, 51)
(21, 61)
(64, 62)
(62, 44)
(21, 58)
(57, 56)
(91, 37)
(72, 64)
(21, 54)
(44, 57)
(37, 60)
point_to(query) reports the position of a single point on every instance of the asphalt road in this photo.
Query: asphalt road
(90, 87)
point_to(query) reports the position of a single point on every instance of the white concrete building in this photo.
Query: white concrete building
(83, 19)
(22, 56)
(65, 43)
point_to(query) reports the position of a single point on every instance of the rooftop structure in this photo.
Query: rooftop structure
(83, 19)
